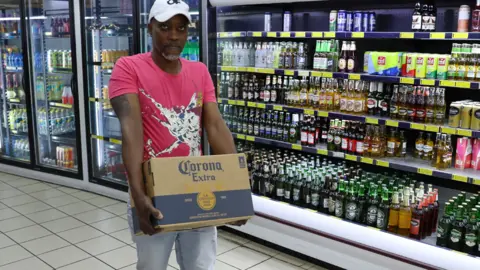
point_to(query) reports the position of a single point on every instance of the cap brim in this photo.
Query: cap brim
(170, 13)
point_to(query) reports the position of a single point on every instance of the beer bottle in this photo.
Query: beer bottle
(340, 200)
(461, 67)
(417, 223)
(375, 145)
(279, 184)
(280, 126)
(428, 148)
(452, 67)
(402, 150)
(331, 136)
(361, 205)
(352, 139)
(345, 136)
(262, 123)
(268, 124)
(352, 58)
(351, 204)
(351, 97)
(440, 106)
(420, 113)
(394, 103)
(471, 67)
(329, 95)
(324, 128)
(360, 138)
(266, 181)
(380, 97)
(303, 93)
(343, 96)
(402, 103)
(336, 95)
(316, 56)
(251, 120)
(404, 217)
(393, 217)
(445, 226)
(286, 127)
(324, 194)
(342, 62)
(458, 230)
(275, 125)
(322, 95)
(274, 91)
(244, 121)
(293, 134)
(312, 131)
(256, 123)
(288, 187)
(372, 206)
(372, 100)
(265, 92)
(411, 103)
(237, 87)
(332, 195)
(307, 191)
(383, 211)
(304, 132)
(419, 144)
(470, 241)
(430, 106)
(296, 189)
(338, 135)
(392, 144)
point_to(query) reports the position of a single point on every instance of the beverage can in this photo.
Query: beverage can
(357, 21)
(442, 69)
(454, 115)
(341, 21)
(432, 66)
(466, 115)
(421, 66)
(267, 22)
(333, 20)
(463, 18)
(364, 21)
(365, 61)
(403, 70)
(372, 21)
(349, 22)
(475, 121)
(411, 64)
(287, 21)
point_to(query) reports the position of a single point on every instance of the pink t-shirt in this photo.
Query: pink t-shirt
(171, 105)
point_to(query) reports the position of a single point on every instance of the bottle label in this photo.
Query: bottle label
(427, 148)
(470, 239)
(230, 92)
(414, 226)
(301, 62)
(452, 71)
(411, 112)
(455, 235)
(402, 112)
(296, 194)
(372, 215)
(429, 113)
(350, 105)
(315, 199)
(351, 65)
(280, 193)
(342, 64)
(461, 71)
(307, 199)
(329, 100)
(250, 95)
(419, 146)
(325, 135)
(262, 95)
(338, 208)
(344, 143)
(393, 109)
(293, 132)
(420, 113)
(375, 148)
(391, 148)
(337, 140)
(273, 96)
(393, 219)
(303, 96)
(371, 103)
(326, 203)
(381, 222)
(416, 22)
(351, 211)
(244, 95)
(359, 147)
(426, 23)
(471, 72)
(358, 106)
(404, 148)
(323, 64)
(352, 145)
(266, 96)
(343, 104)
(311, 138)
(330, 138)
(331, 205)
(303, 137)
(316, 63)
(287, 195)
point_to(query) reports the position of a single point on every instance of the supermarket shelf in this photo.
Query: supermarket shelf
(107, 139)
(19, 133)
(92, 99)
(403, 164)
(41, 103)
(350, 35)
(61, 71)
(15, 101)
(355, 76)
(360, 118)
(13, 69)
(67, 138)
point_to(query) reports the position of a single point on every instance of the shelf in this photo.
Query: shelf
(61, 71)
(16, 101)
(61, 105)
(359, 118)
(67, 138)
(107, 139)
(354, 35)
(13, 69)
(355, 76)
(403, 164)
(7, 36)
(92, 99)
(18, 133)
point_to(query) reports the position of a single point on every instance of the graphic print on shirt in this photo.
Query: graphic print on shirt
(183, 123)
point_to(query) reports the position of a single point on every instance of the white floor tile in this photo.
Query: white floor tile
(45, 244)
(261, 248)
(64, 256)
(275, 264)
(18, 200)
(242, 258)
(3, 206)
(102, 201)
(62, 224)
(47, 194)
(119, 258)
(117, 209)
(4, 186)
(30, 208)
(172, 260)
(219, 265)
(19, 182)
(9, 193)
(84, 196)
(111, 225)
(94, 216)
(52, 185)
(15, 223)
(80, 234)
(32, 263)
(232, 237)
(28, 233)
(90, 264)
(124, 236)
(68, 190)
(134, 267)
(224, 245)
(47, 215)
(290, 259)
(100, 245)
(61, 200)
(5, 241)
(33, 188)
(12, 254)
(76, 208)
(7, 178)
(8, 213)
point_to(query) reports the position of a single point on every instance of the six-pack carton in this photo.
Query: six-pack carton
(194, 192)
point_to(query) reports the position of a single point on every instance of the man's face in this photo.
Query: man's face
(169, 37)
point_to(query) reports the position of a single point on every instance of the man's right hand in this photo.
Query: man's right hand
(145, 210)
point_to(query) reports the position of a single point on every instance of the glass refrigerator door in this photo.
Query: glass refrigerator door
(52, 66)
(14, 142)
(191, 50)
(109, 36)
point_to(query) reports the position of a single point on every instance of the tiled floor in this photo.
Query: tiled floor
(45, 226)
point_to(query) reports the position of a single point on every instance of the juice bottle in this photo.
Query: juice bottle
(404, 216)
(419, 144)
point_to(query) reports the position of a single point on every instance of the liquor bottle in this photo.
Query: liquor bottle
(470, 241)
(458, 230)
(428, 147)
(445, 226)
(402, 103)
(288, 187)
(425, 18)
(440, 106)
(274, 91)
(417, 18)
(352, 58)
(404, 217)
(351, 204)
(394, 103)
(420, 112)
(419, 144)
(340, 200)
(342, 62)
(372, 100)
(338, 135)
(411, 104)
(372, 206)
(345, 136)
(417, 221)
(380, 97)
(383, 211)
(279, 184)
(433, 18)
(393, 217)
(361, 203)
(476, 18)
(402, 150)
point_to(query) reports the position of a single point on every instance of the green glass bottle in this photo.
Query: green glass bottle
(288, 187)
(279, 184)
(296, 190)
(293, 133)
(383, 211)
(361, 201)
(470, 243)
(372, 206)
(332, 195)
(340, 200)
(351, 206)
(315, 194)
(457, 233)
(307, 191)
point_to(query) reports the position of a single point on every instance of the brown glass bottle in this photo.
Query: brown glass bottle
(420, 111)
(417, 221)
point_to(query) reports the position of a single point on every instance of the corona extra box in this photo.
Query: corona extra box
(194, 192)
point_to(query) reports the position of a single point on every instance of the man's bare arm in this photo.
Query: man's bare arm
(219, 135)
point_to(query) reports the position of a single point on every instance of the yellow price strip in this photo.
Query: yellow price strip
(463, 84)
(391, 123)
(97, 137)
(317, 34)
(115, 141)
(289, 72)
(460, 178)
(261, 105)
(316, 74)
(329, 35)
(223, 35)
(322, 152)
(256, 34)
(232, 102)
(366, 160)
(417, 126)
(242, 69)
(407, 35)
(297, 147)
(227, 68)
(271, 34)
(350, 157)
(464, 132)
(285, 34)
(277, 108)
(382, 163)
(425, 171)
(476, 182)
(460, 35)
(445, 83)
(322, 114)
(437, 35)
(240, 103)
(309, 112)
(241, 136)
(427, 82)
(373, 228)
(300, 34)
(311, 210)
(432, 128)
(354, 76)
(405, 80)
(449, 130)
(358, 35)
(250, 138)
(251, 104)
(327, 74)
(370, 120)
(251, 69)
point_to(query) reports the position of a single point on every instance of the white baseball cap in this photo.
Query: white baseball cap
(163, 10)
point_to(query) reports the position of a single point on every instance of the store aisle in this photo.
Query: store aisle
(46, 226)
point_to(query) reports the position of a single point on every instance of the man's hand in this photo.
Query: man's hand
(238, 223)
(145, 210)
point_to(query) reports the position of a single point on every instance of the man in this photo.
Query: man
(162, 102)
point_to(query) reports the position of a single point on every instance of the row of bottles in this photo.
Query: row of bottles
(14, 86)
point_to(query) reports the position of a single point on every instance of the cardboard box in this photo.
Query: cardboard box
(194, 192)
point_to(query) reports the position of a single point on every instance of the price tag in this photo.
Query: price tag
(285, 34)
(464, 132)
(437, 35)
(303, 73)
(354, 76)
(445, 83)
(232, 102)
(223, 35)
(242, 69)
(322, 114)
(427, 82)
(300, 34)
(250, 138)
(251, 69)
(271, 34)
(251, 104)
(327, 74)
(366, 160)
(391, 123)
(462, 84)
(240, 103)
(14, 100)
(448, 130)
(227, 68)
(261, 105)
(338, 155)
(370, 120)
(476, 182)
(322, 152)
(297, 147)
(309, 112)
(407, 35)
(256, 34)
(460, 178)
(317, 34)
(115, 141)
(289, 72)
(457, 35)
(425, 171)
(277, 108)
(350, 157)
(382, 163)
(432, 128)
(405, 80)
(97, 137)
(329, 34)
(358, 35)
(241, 136)
(316, 74)
(417, 126)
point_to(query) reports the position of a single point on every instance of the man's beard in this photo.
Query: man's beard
(171, 57)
